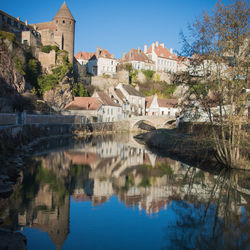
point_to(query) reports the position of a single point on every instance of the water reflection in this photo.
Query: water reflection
(203, 210)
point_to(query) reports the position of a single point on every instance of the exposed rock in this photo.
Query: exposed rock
(11, 80)
(58, 97)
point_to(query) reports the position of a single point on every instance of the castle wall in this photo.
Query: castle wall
(47, 59)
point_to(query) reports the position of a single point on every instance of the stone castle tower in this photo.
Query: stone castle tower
(60, 31)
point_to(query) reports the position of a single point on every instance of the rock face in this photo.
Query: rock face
(58, 97)
(12, 81)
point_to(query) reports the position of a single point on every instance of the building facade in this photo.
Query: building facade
(138, 59)
(165, 60)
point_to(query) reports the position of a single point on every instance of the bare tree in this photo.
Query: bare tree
(218, 77)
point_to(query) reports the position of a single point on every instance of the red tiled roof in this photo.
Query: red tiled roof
(84, 55)
(84, 103)
(137, 55)
(161, 51)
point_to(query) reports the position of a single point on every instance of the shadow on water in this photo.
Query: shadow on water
(198, 209)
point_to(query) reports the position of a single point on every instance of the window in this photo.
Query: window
(56, 21)
(63, 21)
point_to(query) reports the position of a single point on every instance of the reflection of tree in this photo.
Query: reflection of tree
(218, 223)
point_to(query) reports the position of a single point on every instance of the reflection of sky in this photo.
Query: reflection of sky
(116, 226)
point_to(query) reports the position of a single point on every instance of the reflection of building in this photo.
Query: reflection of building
(45, 215)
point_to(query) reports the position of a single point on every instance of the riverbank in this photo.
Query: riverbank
(181, 146)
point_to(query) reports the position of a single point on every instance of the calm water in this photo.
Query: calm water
(115, 194)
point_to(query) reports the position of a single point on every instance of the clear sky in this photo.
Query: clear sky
(117, 25)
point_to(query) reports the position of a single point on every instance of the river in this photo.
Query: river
(113, 193)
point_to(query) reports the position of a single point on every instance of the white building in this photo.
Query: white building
(157, 106)
(165, 60)
(135, 99)
(98, 108)
(84, 57)
(138, 59)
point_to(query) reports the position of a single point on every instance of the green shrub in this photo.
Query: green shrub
(19, 66)
(47, 82)
(79, 90)
(33, 70)
(7, 35)
(149, 74)
(48, 48)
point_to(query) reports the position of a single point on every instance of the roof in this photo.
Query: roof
(64, 12)
(44, 26)
(162, 51)
(106, 100)
(84, 55)
(162, 102)
(120, 95)
(131, 90)
(84, 103)
(137, 55)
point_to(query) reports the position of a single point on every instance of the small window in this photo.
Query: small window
(56, 21)
(63, 21)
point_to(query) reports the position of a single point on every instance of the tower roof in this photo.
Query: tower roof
(64, 12)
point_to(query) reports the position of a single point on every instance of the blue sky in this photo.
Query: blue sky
(117, 25)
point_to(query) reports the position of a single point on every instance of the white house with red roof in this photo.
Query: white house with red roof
(165, 60)
(158, 106)
(138, 59)
(84, 57)
(98, 108)
(98, 63)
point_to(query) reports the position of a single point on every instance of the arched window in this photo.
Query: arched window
(63, 21)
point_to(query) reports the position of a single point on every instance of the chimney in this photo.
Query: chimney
(153, 47)
(18, 18)
(157, 43)
(162, 45)
(171, 50)
(123, 55)
(137, 87)
(138, 49)
(98, 51)
(26, 22)
(145, 48)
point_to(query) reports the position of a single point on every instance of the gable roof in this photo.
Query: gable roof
(162, 102)
(137, 55)
(120, 95)
(131, 90)
(162, 51)
(106, 100)
(84, 103)
(84, 55)
(64, 12)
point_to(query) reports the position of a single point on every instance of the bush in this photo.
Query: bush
(79, 90)
(33, 70)
(48, 48)
(19, 66)
(7, 35)
(149, 74)
(47, 82)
